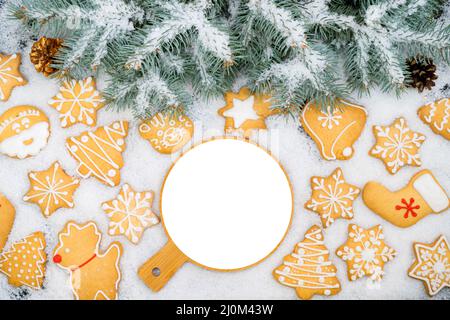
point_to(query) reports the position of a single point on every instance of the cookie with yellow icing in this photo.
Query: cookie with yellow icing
(167, 133)
(397, 145)
(99, 152)
(24, 131)
(51, 189)
(10, 76)
(7, 215)
(24, 263)
(334, 130)
(245, 111)
(437, 116)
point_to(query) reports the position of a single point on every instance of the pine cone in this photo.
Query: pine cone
(422, 72)
(42, 54)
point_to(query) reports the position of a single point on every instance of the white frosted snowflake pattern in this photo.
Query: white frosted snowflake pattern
(329, 118)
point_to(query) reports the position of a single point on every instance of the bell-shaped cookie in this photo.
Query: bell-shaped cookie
(7, 214)
(422, 196)
(334, 131)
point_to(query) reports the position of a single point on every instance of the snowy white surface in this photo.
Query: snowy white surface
(145, 169)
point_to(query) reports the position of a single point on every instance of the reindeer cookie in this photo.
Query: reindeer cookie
(93, 276)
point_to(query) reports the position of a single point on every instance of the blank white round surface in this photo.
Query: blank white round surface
(226, 204)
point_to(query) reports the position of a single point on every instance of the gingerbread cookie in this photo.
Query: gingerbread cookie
(334, 131)
(422, 196)
(51, 189)
(24, 263)
(397, 145)
(332, 197)
(244, 111)
(24, 131)
(167, 133)
(78, 102)
(308, 269)
(432, 264)
(10, 76)
(365, 252)
(7, 215)
(99, 152)
(130, 213)
(437, 116)
(93, 276)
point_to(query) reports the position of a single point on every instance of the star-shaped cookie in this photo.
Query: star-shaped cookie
(397, 145)
(432, 265)
(10, 76)
(245, 111)
(332, 197)
(365, 252)
(51, 189)
(130, 213)
(77, 102)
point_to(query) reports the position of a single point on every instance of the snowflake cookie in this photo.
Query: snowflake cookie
(10, 75)
(94, 275)
(244, 111)
(24, 131)
(365, 252)
(437, 116)
(308, 269)
(422, 196)
(99, 152)
(397, 145)
(51, 189)
(334, 131)
(432, 264)
(78, 102)
(167, 134)
(130, 213)
(24, 263)
(332, 197)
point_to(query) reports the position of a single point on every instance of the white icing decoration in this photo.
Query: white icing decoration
(432, 192)
(242, 111)
(347, 152)
(14, 146)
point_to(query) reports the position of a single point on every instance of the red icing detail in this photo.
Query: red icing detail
(57, 258)
(408, 206)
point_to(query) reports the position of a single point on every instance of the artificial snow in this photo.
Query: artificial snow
(145, 169)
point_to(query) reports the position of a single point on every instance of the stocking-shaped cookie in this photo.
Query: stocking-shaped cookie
(335, 131)
(423, 195)
(100, 152)
(93, 275)
(7, 214)
(437, 116)
(308, 269)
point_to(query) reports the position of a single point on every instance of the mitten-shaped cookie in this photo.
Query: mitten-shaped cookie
(423, 195)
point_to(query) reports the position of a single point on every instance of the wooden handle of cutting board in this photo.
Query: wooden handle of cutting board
(158, 270)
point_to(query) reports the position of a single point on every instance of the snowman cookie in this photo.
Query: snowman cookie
(24, 131)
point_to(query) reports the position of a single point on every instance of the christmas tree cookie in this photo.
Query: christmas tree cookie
(334, 131)
(77, 102)
(397, 145)
(332, 197)
(308, 269)
(10, 76)
(422, 196)
(365, 252)
(166, 133)
(93, 275)
(130, 213)
(244, 111)
(99, 153)
(432, 265)
(51, 189)
(24, 263)
(7, 215)
(24, 131)
(437, 116)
